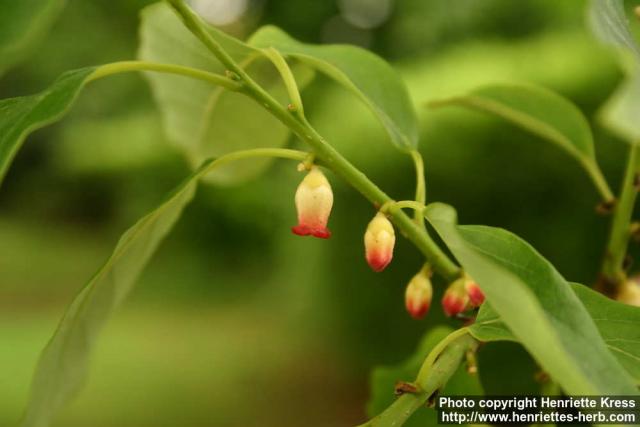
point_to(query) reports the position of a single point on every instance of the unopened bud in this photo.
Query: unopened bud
(314, 200)
(417, 297)
(476, 296)
(379, 240)
(455, 299)
(629, 292)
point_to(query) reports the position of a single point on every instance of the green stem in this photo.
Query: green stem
(421, 190)
(282, 153)
(442, 264)
(599, 181)
(613, 265)
(404, 204)
(198, 28)
(427, 366)
(442, 362)
(287, 77)
(126, 66)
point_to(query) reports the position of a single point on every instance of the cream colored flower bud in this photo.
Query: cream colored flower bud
(417, 296)
(379, 240)
(629, 292)
(314, 200)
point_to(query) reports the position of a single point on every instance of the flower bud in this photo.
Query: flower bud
(417, 297)
(379, 240)
(629, 292)
(475, 294)
(314, 200)
(455, 299)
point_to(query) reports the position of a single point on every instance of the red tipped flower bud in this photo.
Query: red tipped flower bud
(455, 299)
(417, 297)
(314, 200)
(379, 240)
(476, 297)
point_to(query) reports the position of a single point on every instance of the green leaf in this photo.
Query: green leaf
(63, 364)
(384, 379)
(23, 115)
(203, 120)
(618, 325)
(610, 25)
(542, 112)
(537, 304)
(22, 25)
(616, 322)
(369, 77)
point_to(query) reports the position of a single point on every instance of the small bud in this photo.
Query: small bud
(455, 299)
(475, 294)
(629, 292)
(314, 200)
(379, 240)
(417, 297)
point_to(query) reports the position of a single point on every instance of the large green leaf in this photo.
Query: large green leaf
(383, 380)
(618, 324)
(22, 25)
(369, 77)
(204, 120)
(63, 364)
(541, 112)
(23, 115)
(537, 304)
(610, 25)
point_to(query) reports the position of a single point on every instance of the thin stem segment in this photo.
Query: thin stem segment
(404, 204)
(126, 66)
(613, 273)
(421, 189)
(282, 153)
(287, 77)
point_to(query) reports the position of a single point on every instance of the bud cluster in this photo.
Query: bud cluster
(314, 201)
(461, 295)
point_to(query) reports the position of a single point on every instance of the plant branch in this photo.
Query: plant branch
(331, 158)
(126, 66)
(421, 190)
(404, 204)
(613, 272)
(427, 366)
(440, 365)
(198, 28)
(287, 77)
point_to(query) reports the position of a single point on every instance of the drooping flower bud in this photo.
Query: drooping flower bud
(417, 297)
(379, 240)
(476, 296)
(314, 200)
(455, 299)
(629, 292)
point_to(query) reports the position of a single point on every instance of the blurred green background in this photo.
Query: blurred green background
(237, 322)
